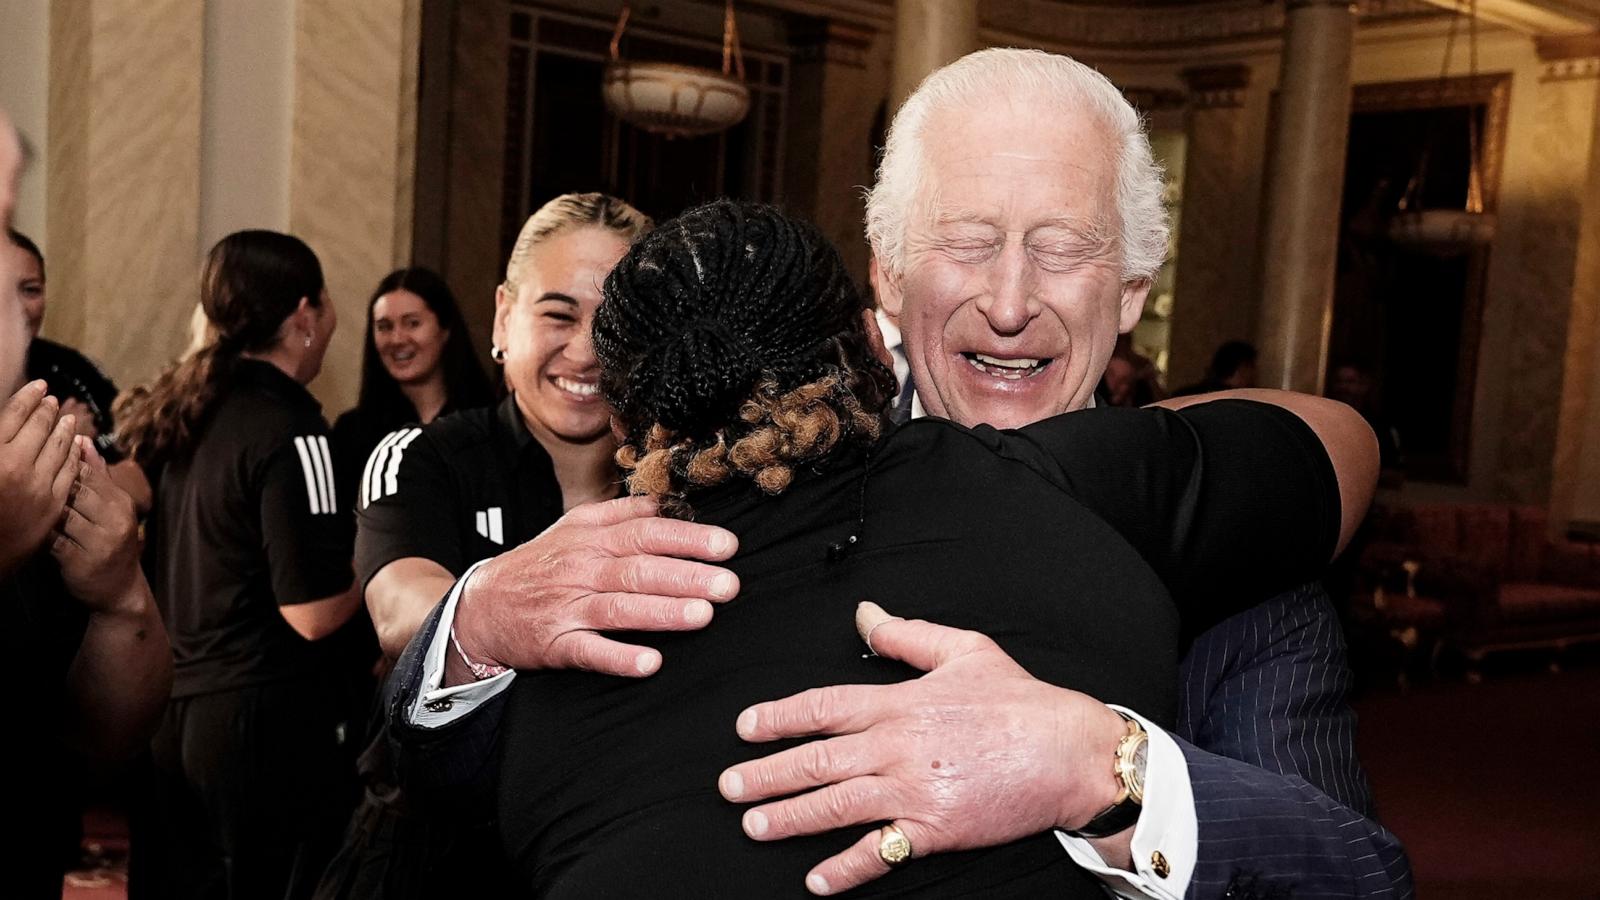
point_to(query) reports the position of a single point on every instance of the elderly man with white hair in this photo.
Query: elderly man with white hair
(1016, 226)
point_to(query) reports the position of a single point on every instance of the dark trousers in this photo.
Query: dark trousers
(246, 795)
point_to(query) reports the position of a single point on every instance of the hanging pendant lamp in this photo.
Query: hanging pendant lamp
(1448, 232)
(677, 100)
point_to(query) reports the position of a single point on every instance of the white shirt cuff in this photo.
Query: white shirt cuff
(1167, 826)
(436, 706)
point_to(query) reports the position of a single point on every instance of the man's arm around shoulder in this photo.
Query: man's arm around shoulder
(1269, 737)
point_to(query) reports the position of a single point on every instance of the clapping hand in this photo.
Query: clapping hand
(97, 545)
(975, 753)
(39, 461)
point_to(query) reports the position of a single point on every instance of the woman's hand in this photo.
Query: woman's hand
(38, 462)
(97, 545)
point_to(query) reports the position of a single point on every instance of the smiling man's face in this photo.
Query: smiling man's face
(1011, 295)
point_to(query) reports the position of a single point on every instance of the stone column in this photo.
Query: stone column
(927, 35)
(352, 159)
(1305, 175)
(1569, 101)
(124, 192)
(834, 97)
(1213, 290)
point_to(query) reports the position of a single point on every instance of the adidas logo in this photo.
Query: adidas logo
(490, 526)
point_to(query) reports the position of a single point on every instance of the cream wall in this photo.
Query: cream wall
(246, 114)
(24, 73)
(168, 124)
(124, 186)
(353, 159)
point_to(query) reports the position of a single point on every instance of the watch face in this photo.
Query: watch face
(1134, 773)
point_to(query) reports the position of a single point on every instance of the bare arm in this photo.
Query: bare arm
(400, 597)
(120, 678)
(1345, 435)
(319, 618)
(122, 673)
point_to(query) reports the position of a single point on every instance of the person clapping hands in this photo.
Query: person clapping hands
(123, 671)
(39, 461)
(82, 626)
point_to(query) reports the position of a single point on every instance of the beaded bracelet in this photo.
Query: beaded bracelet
(479, 670)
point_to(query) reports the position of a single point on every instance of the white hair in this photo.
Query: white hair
(1055, 81)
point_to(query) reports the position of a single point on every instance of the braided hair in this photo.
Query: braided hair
(732, 345)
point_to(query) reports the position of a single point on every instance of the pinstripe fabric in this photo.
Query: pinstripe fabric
(450, 769)
(1264, 723)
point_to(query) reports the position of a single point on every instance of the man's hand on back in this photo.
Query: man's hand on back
(973, 754)
(612, 566)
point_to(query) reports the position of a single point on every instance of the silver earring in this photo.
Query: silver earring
(308, 341)
(496, 354)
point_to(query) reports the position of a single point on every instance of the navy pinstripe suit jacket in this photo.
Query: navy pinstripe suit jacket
(1265, 725)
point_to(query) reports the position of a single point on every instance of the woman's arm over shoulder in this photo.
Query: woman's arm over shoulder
(1230, 498)
(1345, 436)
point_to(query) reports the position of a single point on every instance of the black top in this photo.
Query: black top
(464, 487)
(43, 632)
(1078, 544)
(70, 374)
(356, 433)
(247, 520)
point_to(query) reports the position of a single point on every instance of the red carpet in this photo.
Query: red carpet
(1494, 788)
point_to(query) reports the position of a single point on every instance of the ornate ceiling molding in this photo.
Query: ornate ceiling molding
(1190, 26)
(1574, 58)
(1188, 33)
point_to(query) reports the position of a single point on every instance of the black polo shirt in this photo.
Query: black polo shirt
(44, 630)
(462, 488)
(247, 520)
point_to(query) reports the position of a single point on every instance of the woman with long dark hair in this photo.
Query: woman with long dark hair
(249, 553)
(417, 364)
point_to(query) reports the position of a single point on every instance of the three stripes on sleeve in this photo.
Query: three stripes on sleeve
(316, 463)
(382, 474)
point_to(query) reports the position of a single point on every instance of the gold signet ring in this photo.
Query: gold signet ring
(894, 847)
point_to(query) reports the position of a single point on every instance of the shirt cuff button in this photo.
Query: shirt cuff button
(1160, 865)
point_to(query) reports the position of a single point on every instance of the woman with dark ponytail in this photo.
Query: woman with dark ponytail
(249, 555)
(749, 391)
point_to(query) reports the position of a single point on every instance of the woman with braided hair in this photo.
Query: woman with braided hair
(748, 390)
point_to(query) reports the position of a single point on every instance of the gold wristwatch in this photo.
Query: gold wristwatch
(1128, 767)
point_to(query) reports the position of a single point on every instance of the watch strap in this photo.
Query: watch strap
(1124, 813)
(1115, 818)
